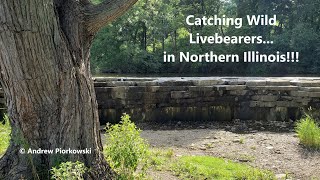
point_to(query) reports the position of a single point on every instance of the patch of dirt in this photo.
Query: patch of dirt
(162, 175)
(274, 149)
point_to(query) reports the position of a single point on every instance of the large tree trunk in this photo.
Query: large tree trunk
(45, 74)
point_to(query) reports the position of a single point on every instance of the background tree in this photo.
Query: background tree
(297, 29)
(45, 74)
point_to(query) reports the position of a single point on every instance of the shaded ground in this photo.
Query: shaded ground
(273, 146)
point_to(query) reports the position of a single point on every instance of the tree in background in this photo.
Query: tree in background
(45, 74)
(159, 25)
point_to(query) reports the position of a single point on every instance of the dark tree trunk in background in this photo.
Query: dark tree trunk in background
(145, 38)
(45, 74)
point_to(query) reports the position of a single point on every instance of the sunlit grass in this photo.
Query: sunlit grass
(5, 130)
(308, 132)
(207, 167)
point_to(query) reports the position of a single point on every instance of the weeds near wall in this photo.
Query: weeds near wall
(126, 152)
(308, 131)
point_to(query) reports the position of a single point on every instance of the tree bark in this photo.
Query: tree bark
(45, 74)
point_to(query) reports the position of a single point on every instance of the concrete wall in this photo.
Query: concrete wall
(205, 99)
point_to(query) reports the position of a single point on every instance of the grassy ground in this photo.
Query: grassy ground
(205, 167)
(185, 167)
(4, 135)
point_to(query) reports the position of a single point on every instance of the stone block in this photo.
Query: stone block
(100, 79)
(162, 96)
(195, 88)
(299, 94)
(146, 83)
(287, 98)
(120, 83)
(119, 92)
(104, 89)
(211, 93)
(208, 99)
(100, 84)
(256, 83)
(182, 102)
(103, 96)
(139, 96)
(265, 98)
(180, 94)
(106, 103)
(172, 88)
(136, 89)
(176, 83)
(306, 83)
(143, 79)
(287, 104)
(314, 94)
(277, 114)
(152, 88)
(275, 88)
(206, 88)
(302, 99)
(238, 92)
(210, 82)
(229, 87)
(310, 89)
(278, 83)
(262, 104)
(236, 82)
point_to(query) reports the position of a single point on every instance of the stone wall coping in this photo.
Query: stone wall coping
(312, 82)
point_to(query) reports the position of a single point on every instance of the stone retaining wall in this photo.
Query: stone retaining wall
(206, 98)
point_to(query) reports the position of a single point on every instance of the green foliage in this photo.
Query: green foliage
(308, 132)
(96, 1)
(69, 171)
(206, 167)
(135, 42)
(126, 151)
(5, 130)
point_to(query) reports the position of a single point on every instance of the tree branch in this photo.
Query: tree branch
(97, 16)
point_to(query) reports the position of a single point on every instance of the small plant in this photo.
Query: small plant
(241, 141)
(5, 130)
(169, 153)
(253, 147)
(308, 132)
(126, 152)
(69, 171)
(246, 158)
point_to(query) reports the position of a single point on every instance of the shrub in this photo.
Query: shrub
(308, 132)
(5, 130)
(69, 171)
(126, 151)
